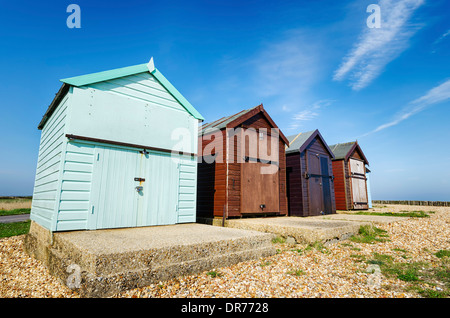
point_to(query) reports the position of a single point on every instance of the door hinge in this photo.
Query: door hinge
(92, 210)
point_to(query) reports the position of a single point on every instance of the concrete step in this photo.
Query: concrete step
(108, 284)
(104, 262)
(101, 252)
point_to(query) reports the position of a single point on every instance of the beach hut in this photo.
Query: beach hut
(242, 168)
(117, 149)
(350, 183)
(309, 171)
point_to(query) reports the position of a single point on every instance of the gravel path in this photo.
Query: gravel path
(296, 271)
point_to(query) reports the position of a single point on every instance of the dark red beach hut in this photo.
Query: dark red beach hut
(349, 169)
(242, 166)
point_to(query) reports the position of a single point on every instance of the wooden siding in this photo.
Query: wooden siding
(98, 188)
(135, 109)
(219, 184)
(187, 191)
(72, 189)
(49, 166)
(283, 181)
(75, 187)
(299, 187)
(211, 179)
(343, 183)
(141, 86)
(340, 184)
(294, 185)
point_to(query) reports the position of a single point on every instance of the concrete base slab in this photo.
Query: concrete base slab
(374, 219)
(303, 230)
(104, 262)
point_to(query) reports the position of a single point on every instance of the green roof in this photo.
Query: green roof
(341, 150)
(297, 141)
(131, 70)
(345, 150)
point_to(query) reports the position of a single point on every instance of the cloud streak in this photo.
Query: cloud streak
(435, 95)
(309, 113)
(377, 47)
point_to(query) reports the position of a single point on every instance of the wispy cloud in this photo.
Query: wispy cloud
(435, 95)
(377, 47)
(309, 113)
(440, 39)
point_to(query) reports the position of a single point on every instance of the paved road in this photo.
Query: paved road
(14, 218)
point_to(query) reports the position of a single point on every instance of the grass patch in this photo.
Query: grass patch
(267, 263)
(407, 272)
(278, 239)
(14, 212)
(214, 274)
(413, 214)
(296, 272)
(318, 246)
(358, 257)
(369, 234)
(400, 250)
(13, 229)
(432, 293)
(418, 274)
(443, 253)
(298, 250)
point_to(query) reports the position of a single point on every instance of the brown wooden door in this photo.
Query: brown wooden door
(314, 184)
(259, 188)
(358, 177)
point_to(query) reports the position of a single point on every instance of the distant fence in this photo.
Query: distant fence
(407, 202)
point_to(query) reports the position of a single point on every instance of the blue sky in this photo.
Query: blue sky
(313, 65)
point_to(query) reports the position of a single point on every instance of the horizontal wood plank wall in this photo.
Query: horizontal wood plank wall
(356, 155)
(348, 186)
(211, 180)
(47, 183)
(219, 184)
(339, 185)
(153, 116)
(295, 190)
(257, 122)
(283, 181)
(233, 195)
(75, 187)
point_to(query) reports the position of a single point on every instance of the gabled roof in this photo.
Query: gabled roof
(116, 73)
(345, 150)
(299, 142)
(238, 118)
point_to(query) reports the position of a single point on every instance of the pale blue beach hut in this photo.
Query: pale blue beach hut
(118, 149)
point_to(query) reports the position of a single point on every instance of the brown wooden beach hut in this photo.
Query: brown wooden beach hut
(242, 166)
(309, 175)
(349, 169)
